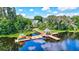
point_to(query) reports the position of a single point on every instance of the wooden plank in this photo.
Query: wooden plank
(53, 37)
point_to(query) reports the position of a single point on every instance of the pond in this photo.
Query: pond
(69, 42)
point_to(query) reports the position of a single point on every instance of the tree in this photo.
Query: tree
(76, 20)
(61, 22)
(11, 13)
(7, 27)
(8, 12)
(39, 18)
(22, 23)
(28, 24)
(52, 21)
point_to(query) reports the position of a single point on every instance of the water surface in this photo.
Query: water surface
(68, 42)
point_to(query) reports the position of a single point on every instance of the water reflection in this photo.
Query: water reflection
(8, 44)
(68, 42)
(66, 45)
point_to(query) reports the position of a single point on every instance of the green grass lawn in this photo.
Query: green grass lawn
(16, 34)
(30, 32)
(59, 31)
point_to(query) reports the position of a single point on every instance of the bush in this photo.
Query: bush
(6, 27)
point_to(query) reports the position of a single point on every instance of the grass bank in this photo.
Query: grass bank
(16, 34)
(30, 32)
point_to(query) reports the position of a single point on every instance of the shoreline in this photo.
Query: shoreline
(27, 33)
